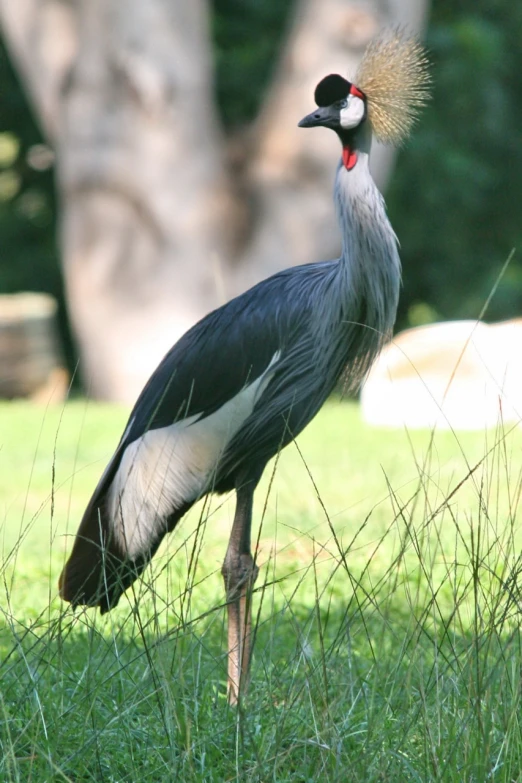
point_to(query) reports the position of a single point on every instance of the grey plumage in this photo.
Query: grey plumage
(325, 320)
(240, 385)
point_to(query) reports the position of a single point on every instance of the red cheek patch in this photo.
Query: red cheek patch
(357, 92)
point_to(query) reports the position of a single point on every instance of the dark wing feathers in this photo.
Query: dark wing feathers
(208, 366)
(228, 349)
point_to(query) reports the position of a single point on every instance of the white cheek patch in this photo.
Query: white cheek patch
(170, 466)
(353, 113)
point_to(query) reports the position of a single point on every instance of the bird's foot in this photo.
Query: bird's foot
(239, 574)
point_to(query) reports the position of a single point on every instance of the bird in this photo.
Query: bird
(243, 382)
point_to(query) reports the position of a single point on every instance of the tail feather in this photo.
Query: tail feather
(98, 570)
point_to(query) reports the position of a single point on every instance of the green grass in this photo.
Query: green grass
(387, 615)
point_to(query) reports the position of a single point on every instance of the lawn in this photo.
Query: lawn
(387, 615)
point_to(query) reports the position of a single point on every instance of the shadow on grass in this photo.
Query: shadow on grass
(388, 677)
(393, 655)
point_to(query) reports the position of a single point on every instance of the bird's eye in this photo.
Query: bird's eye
(343, 104)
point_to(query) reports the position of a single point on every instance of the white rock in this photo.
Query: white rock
(465, 375)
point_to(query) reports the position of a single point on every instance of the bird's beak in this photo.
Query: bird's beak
(324, 115)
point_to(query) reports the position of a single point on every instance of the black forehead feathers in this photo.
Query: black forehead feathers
(331, 89)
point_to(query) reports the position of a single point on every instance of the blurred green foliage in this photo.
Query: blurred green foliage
(29, 259)
(248, 36)
(456, 194)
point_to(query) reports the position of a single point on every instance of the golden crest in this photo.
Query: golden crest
(395, 78)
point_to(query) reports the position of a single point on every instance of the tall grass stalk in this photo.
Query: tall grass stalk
(386, 615)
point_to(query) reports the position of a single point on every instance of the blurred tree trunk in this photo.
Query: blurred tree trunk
(291, 170)
(123, 89)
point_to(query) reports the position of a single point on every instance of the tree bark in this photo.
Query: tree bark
(127, 104)
(123, 89)
(291, 174)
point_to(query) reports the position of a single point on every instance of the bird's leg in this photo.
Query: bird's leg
(239, 572)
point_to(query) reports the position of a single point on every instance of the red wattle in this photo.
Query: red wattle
(349, 158)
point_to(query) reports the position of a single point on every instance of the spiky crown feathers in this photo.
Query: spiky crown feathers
(394, 77)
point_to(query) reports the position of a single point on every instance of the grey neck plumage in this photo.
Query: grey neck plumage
(367, 276)
(369, 262)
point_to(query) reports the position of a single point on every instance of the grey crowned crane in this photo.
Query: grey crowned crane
(244, 381)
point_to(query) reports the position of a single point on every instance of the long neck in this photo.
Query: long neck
(369, 262)
(368, 273)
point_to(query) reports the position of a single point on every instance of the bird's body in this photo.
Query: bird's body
(241, 384)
